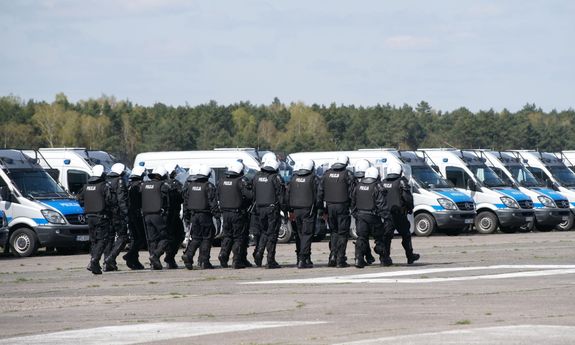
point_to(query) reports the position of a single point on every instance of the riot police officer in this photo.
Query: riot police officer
(155, 206)
(399, 203)
(269, 192)
(302, 201)
(95, 197)
(235, 197)
(175, 225)
(135, 220)
(119, 228)
(200, 205)
(359, 173)
(335, 191)
(368, 206)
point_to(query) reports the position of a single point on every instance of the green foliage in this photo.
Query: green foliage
(126, 129)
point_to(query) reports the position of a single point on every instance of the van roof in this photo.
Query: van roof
(16, 159)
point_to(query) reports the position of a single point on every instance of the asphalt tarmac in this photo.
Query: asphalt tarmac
(494, 289)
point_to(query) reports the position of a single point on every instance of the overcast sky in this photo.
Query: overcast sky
(477, 54)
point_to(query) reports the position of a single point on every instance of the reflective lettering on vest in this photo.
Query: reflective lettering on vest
(229, 193)
(364, 197)
(301, 194)
(265, 191)
(335, 186)
(198, 196)
(94, 198)
(152, 197)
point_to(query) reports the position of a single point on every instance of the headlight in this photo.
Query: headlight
(447, 204)
(53, 217)
(509, 202)
(547, 201)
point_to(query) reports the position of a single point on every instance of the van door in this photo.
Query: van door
(76, 179)
(457, 176)
(6, 205)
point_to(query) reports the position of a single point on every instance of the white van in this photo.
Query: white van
(71, 166)
(498, 203)
(551, 169)
(39, 212)
(551, 208)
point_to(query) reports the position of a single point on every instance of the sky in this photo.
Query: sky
(449, 53)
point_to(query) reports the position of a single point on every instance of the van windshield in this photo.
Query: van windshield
(487, 176)
(36, 184)
(428, 178)
(524, 176)
(563, 174)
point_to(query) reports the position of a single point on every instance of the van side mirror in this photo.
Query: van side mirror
(472, 186)
(4, 193)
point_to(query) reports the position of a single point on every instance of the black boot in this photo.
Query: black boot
(305, 262)
(308, 261)
(110, 265)
(331, 262)
(413, 257)
(95, 267)
(385, 261)
(155, 263)
(360, 262)
(223, 260)
(171, 263)
(204, 257)
(190, 252)
(369, 259)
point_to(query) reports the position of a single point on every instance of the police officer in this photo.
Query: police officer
(119, 229)
(95, 197)
(399, 203)
(155, 206)
(368, 206)
(235, 197)
(359, 173)
(302, 201)
(269, 195)
(200, 205)
(175, 225)
(335, 191)
(135, 220)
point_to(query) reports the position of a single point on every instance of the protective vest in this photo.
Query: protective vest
(134, 195)
(393, 196)
(365, 196)
(230, 194)
(301, 191)
(335, 186)
(152, 197)
(198, 196)
(94, 197)
(264, 188)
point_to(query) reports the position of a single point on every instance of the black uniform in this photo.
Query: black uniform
(269, 195)
(235, 197)
(175, 225)
(399, 203)
(335, 190)
(302, 200)
(368, 206)
(155, 206)
(119, 229)
(96, 199)
(200, 205)
(135, 223)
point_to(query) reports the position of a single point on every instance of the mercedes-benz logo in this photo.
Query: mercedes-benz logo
(82, 219)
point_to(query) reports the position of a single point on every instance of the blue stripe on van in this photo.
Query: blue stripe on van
(513, 193)
(454, 195)
(65, 206)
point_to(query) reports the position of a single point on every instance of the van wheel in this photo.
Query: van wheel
(286, 231)
(23, 242)
(486, 223)
(566, 225)
(424, 225)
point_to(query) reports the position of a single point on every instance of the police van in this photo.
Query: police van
(72, 166)
(551, 169)
(39, 212)
(498, 203)
(551, 207)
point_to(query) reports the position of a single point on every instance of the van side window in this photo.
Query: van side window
(538, 173)
(457, 176)
(76, 180)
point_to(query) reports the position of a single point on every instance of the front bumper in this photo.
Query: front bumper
(63, 235)
(551, 216)
(515, 217)
(454, 219)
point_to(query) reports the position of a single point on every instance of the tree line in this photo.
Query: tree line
(125, 129)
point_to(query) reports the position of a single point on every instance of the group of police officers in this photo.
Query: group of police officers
(146, 211)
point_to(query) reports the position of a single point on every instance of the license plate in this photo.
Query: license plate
(469, 221)
(83, 238)
(529, 219)
(565, 218)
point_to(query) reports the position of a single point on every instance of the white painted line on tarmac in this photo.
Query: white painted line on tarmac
(389, 277)
(508, 335)
(145, 332)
